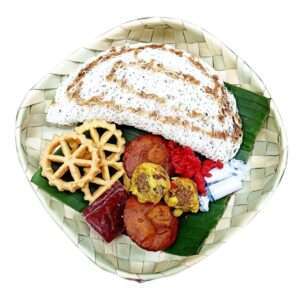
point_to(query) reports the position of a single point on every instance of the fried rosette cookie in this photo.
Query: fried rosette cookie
(64, 160)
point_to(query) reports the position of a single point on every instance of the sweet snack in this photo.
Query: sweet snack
(149, 182)
(64, 159)
(109, 173)
(183, 196)
(105, 215)
(151, 226)
(156, 88)
(176, 119)
(110, 145)
(106, 137)
(146, 148)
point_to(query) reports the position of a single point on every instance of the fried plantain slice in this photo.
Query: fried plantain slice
(151, 226)
(146, 148)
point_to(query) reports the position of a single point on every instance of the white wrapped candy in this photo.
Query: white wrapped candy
(225, 187)
(233, 167)
(223, 182)
(219, 174)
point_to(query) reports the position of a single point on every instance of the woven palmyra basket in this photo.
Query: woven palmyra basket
(122, 256)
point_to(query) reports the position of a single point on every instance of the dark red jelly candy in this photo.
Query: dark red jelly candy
(105, 215)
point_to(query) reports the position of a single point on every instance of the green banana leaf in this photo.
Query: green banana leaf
(194, 228)
(74, 200)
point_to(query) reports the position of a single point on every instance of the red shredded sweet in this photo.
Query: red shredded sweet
(186, 163)
(208, 165)
(183, 160)
(200, 182)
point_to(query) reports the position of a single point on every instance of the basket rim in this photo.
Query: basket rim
(191, 259)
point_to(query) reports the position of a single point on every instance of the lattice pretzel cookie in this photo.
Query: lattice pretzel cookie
(69, 162)
(110, 172)
(107, 138)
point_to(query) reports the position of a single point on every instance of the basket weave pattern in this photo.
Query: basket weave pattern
(122, 256)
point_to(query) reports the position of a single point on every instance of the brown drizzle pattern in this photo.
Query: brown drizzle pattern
(171, 120)
(218, 91)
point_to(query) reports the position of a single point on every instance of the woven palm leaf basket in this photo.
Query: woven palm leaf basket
(122, 256)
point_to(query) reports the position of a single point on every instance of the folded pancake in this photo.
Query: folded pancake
(156, 88)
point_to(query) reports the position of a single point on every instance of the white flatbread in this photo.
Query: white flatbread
(156, 88)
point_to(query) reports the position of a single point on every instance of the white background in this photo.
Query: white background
(37, 261)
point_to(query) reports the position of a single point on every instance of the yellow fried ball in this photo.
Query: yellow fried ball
(183, 196)
(149, 182)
